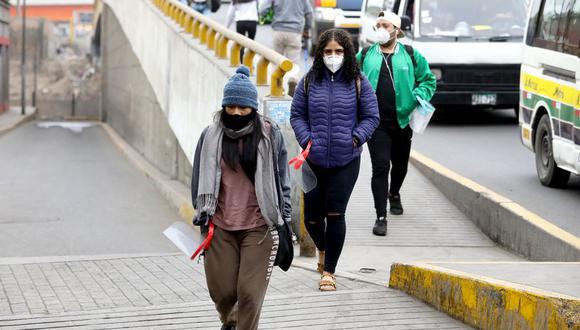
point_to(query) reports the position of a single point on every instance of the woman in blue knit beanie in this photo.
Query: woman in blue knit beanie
(240, 189)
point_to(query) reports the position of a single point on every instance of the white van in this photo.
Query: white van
(474, 47)
(550, 85)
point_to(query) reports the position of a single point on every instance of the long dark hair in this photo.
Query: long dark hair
(350, 66)
(246, 156)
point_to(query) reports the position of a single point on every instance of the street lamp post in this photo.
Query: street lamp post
(23, 60)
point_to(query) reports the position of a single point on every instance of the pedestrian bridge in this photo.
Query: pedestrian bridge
(164, 68)
(182, 60)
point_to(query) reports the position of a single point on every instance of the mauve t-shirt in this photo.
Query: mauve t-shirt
(238, 207)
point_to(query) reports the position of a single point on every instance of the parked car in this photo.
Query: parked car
(474, 47)
(328, 14)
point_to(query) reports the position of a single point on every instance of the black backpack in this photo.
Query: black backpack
(214, 5)
(409, 49)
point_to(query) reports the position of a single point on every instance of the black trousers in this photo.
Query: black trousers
(389, 148)
(329, 201)
(248, 29)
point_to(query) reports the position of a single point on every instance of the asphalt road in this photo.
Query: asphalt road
(68, 192)
(484, 145)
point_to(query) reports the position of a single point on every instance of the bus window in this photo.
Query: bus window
(572, 38)
(552, 24)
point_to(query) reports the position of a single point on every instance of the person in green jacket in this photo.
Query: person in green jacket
(399, 75)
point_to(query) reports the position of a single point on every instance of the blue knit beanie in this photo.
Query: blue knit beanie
(240, 90)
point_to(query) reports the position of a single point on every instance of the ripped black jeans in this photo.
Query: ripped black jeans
(328, 201)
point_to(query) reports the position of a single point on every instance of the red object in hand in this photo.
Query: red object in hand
(205, 244)
(299, 160)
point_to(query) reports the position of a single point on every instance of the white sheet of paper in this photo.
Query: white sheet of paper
(184, 237)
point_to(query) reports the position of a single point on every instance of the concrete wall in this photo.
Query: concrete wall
(178, 76)
(130, 105)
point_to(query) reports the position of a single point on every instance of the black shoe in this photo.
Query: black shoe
(228, 327)
(396, 206)
(380, 228)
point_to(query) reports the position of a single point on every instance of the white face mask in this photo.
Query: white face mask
(384, 36)
(333, 62)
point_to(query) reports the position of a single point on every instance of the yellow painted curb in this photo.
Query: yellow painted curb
(486, 303)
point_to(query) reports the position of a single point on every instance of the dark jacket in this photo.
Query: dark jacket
(281, 170)
(331, 115)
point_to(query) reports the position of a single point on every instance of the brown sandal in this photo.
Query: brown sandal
(327, 283)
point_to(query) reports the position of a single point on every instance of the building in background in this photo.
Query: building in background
(4, 58)
(72, 19)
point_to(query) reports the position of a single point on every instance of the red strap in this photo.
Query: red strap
(299, 160)
(205, 244)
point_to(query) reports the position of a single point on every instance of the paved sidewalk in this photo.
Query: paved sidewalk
(169, 292)
(13, 118)
(431, 228)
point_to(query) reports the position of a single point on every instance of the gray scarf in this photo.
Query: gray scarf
(210, 173)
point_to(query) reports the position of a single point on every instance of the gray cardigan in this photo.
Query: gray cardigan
(282, 170)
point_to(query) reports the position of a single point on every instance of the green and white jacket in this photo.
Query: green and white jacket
(411, 81)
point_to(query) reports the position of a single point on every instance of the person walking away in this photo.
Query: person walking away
(399, 75)
(240, 183)
(245, 14)
(335, 109)
(292, 20)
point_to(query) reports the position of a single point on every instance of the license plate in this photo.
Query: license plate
(483, 99)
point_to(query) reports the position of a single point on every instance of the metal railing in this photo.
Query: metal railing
(217, 37)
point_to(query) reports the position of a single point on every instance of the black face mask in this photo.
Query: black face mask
(237, 122)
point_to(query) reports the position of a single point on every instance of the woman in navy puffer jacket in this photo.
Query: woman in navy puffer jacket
(335, 108)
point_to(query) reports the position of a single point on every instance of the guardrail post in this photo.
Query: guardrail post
(203, 34)
(211, 39)
(183, 20)
(223, 47)
(276, 88)
(235, 54)
(262, 75)
(196, 28)
(189, 24)
(249, 59)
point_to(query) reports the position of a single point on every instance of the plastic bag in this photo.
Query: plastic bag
(267, 18)
(301, 173)
(421, 116)
(188, 240)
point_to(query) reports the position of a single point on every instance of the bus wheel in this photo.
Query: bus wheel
(548, 172)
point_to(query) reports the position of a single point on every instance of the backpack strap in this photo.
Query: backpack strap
(358, 87)
(409, 49)
(363, 55)
(306, 84)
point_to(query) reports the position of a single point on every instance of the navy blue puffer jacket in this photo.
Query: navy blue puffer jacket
(330, 117)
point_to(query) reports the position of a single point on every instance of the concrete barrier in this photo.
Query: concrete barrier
(503, 220)
(486, 303)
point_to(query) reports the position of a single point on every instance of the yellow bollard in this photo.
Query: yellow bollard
(203, 34)
(276, 88)
(235, 54)
(189, 24)
(223, 47)
(211, 39)
(196, 28)
(249, 59)
(262, 75)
